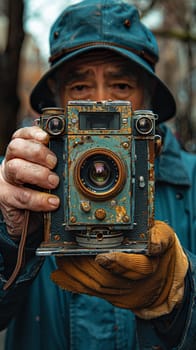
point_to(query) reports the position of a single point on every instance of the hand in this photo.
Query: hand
(28, 161)
(150, 286)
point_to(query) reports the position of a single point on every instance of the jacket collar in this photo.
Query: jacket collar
(169, 166)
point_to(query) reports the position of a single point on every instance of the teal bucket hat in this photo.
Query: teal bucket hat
(103, 24)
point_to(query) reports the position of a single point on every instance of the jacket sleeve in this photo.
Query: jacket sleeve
(177, 330)
(10, 298)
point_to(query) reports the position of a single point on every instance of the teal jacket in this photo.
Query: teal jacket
(41, 316)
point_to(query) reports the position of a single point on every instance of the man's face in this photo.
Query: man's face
(101, 77)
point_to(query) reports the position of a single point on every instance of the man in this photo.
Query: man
(99, 51)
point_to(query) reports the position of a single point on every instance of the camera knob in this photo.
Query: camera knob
(85, 206)
(100, 214)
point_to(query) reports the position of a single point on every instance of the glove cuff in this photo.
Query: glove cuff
(176, 292)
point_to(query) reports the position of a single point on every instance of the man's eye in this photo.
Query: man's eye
(122, 86)
(79, 87)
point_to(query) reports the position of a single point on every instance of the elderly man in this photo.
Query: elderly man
(99, 51)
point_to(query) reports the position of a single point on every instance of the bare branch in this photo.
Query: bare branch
(177, 34)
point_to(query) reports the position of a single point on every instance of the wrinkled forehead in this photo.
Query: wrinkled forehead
(98, 57)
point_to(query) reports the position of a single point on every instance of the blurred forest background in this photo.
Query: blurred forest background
(22, 61)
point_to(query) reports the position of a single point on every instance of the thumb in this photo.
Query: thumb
(131, 266)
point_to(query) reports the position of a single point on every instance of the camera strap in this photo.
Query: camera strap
(20, 255)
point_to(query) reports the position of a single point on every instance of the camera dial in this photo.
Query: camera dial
(55, 125)
(144, 125)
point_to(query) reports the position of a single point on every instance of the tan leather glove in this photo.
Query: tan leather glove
(150, 286)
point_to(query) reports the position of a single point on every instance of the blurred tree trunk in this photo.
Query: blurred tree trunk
(9, 67)
(179, 15)
(176, 34)
(177, 46)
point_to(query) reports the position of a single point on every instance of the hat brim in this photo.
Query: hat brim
(163, 103)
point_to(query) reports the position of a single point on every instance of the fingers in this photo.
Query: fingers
(28, 161)
(31, 151)
(71, 284)
(125, 298)
(162, 237)
(84, 275)
(26, 198)
(138, 266)
(88, 273)
(15, 199)
(19, 171)
(131, 266)
(32, 133)
(13, 202)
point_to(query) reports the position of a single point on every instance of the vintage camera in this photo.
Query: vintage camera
(105, 157)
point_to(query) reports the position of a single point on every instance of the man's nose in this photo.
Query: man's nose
(101, 93)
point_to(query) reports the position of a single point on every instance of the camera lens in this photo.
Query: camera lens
(99, 174)
(144, 125)
(55, 125)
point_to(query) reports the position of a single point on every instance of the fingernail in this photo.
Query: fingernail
(51, 160)
(54, 201)
(53, 180)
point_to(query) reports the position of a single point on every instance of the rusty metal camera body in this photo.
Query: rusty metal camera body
(105, 157)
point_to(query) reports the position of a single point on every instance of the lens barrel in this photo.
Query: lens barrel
(99, 174)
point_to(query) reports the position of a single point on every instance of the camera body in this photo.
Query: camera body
(105, 163)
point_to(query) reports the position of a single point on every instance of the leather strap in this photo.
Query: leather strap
(20, 255)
